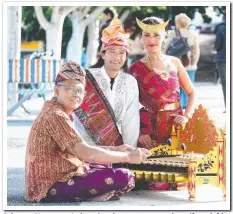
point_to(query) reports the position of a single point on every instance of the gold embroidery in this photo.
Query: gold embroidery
(93, 191)
(108, 180)
(53, 191)
(131, 182)
(151, 90)
(70, 182)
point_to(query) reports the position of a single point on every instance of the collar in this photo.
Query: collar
(104, 72)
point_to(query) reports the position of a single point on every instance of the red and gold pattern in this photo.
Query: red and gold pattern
(155, 93)
(192, 178)
(201, 131)
(97, 116)
(222, 163)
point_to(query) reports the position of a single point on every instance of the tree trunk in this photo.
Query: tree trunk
(79, 24)
(14, 17)
(92, 46)
(54, 39)
(75, 45)
(124, 16)
(53, 28)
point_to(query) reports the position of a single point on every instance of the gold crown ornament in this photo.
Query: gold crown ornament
(151, 28)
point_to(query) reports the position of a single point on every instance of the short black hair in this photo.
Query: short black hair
(107, 11)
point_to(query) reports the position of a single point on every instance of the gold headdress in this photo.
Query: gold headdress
(151, 28)
(114, 35)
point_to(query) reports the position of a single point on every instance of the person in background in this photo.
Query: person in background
(57, 158)
(136, 49)
(190, 60)
(220, 57)
(108, 16)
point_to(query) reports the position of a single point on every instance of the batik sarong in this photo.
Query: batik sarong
(100, 184)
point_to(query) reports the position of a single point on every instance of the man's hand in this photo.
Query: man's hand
(124, 148)
(146, 152)
(138, 155)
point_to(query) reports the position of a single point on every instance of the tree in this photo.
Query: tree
(14, 17)
(53, 28)
(92, 44)
(80, 19)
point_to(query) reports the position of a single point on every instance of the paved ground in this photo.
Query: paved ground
(158, 200)
(208, 197)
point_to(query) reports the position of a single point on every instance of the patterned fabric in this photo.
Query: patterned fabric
(114, 35)
(154, 94)
(97, 116)
(47, 160)
(122, 103)
(71, 71)
(100, 184)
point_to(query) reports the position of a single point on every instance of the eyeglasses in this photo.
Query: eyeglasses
(71, 89)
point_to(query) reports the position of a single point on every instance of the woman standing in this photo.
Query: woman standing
(159, 79)
(182, 22)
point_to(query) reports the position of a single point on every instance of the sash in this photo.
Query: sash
(97, 115)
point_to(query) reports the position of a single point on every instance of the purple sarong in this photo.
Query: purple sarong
(100, 184)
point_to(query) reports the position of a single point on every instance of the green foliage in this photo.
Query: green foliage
(206, 18)
(33, 31)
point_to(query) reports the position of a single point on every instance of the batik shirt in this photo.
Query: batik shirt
(124, 100)
(47, 158)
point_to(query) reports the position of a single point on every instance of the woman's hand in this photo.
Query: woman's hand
(179, 119)
(124, 148)
(145, 141)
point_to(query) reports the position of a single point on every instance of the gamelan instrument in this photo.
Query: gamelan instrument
(194, 155)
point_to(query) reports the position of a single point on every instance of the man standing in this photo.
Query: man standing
(109, 114)
(220, 58)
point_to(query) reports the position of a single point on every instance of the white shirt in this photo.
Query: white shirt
(124, 100)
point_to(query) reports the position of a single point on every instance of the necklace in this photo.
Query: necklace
(164, 74)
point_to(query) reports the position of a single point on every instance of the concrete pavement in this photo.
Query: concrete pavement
(208, 197)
